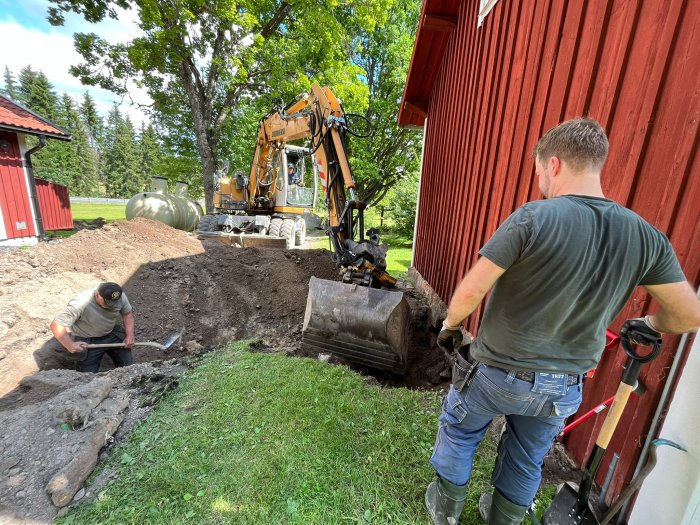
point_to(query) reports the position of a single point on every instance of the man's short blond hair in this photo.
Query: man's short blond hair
(580, 143)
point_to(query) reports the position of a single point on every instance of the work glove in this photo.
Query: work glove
(643, 328)
(449, 338)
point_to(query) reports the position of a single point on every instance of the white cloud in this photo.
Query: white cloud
(52, 52)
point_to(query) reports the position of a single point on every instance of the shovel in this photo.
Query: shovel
(570, 507)
(170, 341)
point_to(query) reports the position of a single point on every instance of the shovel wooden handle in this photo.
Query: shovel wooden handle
(616, 409)
(121, 345)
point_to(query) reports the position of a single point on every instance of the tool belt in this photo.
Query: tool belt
(463, 369)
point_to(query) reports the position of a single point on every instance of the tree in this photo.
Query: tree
(149, 151)
(9, 89)
(92, 120)
(218, 54)
(390, 154)
(122, 170)
(37, 93)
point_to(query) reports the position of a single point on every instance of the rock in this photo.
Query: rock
(193, 346)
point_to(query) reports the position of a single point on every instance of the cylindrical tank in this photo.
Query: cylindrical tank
(195, 211)
(178, 211)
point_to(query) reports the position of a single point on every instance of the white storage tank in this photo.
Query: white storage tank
(178, 210)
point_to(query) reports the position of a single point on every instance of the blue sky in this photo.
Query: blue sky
(26, 38)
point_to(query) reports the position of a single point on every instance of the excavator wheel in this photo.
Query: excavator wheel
(300, 233)
(208, 223)
(275, 227)
(287, 232)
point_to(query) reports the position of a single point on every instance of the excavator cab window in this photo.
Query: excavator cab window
(300, 180)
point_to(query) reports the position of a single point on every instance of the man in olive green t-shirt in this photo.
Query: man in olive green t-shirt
(559, 271)
(91, 318)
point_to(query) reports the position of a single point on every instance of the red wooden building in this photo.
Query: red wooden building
(488, 78)
(28, 206)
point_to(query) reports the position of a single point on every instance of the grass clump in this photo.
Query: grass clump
(254, 438)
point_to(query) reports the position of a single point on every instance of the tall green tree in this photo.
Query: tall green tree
(149, 151)
(122, 170)
(9, 89)
(37, 93)
(391, 154)
(94, 124)
(220, 53)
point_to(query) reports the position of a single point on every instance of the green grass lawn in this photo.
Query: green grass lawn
(88, 211)
(252, 438)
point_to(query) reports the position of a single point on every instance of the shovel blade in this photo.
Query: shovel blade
(170, 341)
(562, 511)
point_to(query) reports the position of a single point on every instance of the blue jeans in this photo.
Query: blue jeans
(93, 357)
(534, 417)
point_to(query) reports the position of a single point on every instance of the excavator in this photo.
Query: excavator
(359, 318)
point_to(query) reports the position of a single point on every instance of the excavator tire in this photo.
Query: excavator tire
(287, 232)
(366, 326)
(208, 223)
(300, 233)
(275, 227)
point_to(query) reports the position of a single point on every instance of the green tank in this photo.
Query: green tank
(178, 210)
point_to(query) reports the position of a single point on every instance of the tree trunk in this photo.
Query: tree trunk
(203, 133)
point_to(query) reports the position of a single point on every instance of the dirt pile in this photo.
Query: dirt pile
(173, 280)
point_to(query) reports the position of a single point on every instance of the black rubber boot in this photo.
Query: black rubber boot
(445, 501)
(497, 510)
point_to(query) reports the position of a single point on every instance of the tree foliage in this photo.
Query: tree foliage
(113, 162)
(216, 55)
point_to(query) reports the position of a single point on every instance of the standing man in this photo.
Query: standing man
(561, 270)
(91, 318)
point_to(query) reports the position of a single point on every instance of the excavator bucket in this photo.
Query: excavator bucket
(245, 240)
(363, 325)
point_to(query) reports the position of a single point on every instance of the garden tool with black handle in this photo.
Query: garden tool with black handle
(570, 506)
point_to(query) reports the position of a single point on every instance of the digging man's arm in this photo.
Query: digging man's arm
(128, 320)
(61, 334)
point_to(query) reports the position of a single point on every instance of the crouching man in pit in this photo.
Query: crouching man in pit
(91, 318)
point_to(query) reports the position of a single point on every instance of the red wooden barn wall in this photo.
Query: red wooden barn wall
(54, 202)
(14, 194)
(635, 67)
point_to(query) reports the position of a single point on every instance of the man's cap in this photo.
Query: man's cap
(110, 292)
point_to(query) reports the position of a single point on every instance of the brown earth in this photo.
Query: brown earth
(174, 281)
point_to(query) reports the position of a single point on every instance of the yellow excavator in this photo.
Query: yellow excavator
(359, 318)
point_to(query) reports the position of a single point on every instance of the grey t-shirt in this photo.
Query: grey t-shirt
(571, 262)
(85, 318)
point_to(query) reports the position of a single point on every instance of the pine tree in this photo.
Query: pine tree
(10, 90)
(93, 121)
(123, 174)
(26, 81)
(150, 151)
(37, 93)
(80, 161)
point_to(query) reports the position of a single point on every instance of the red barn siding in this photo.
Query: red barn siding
(54, 202)
(14, 195)
(635, 67)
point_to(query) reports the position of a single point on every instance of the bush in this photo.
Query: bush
(402, 205)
